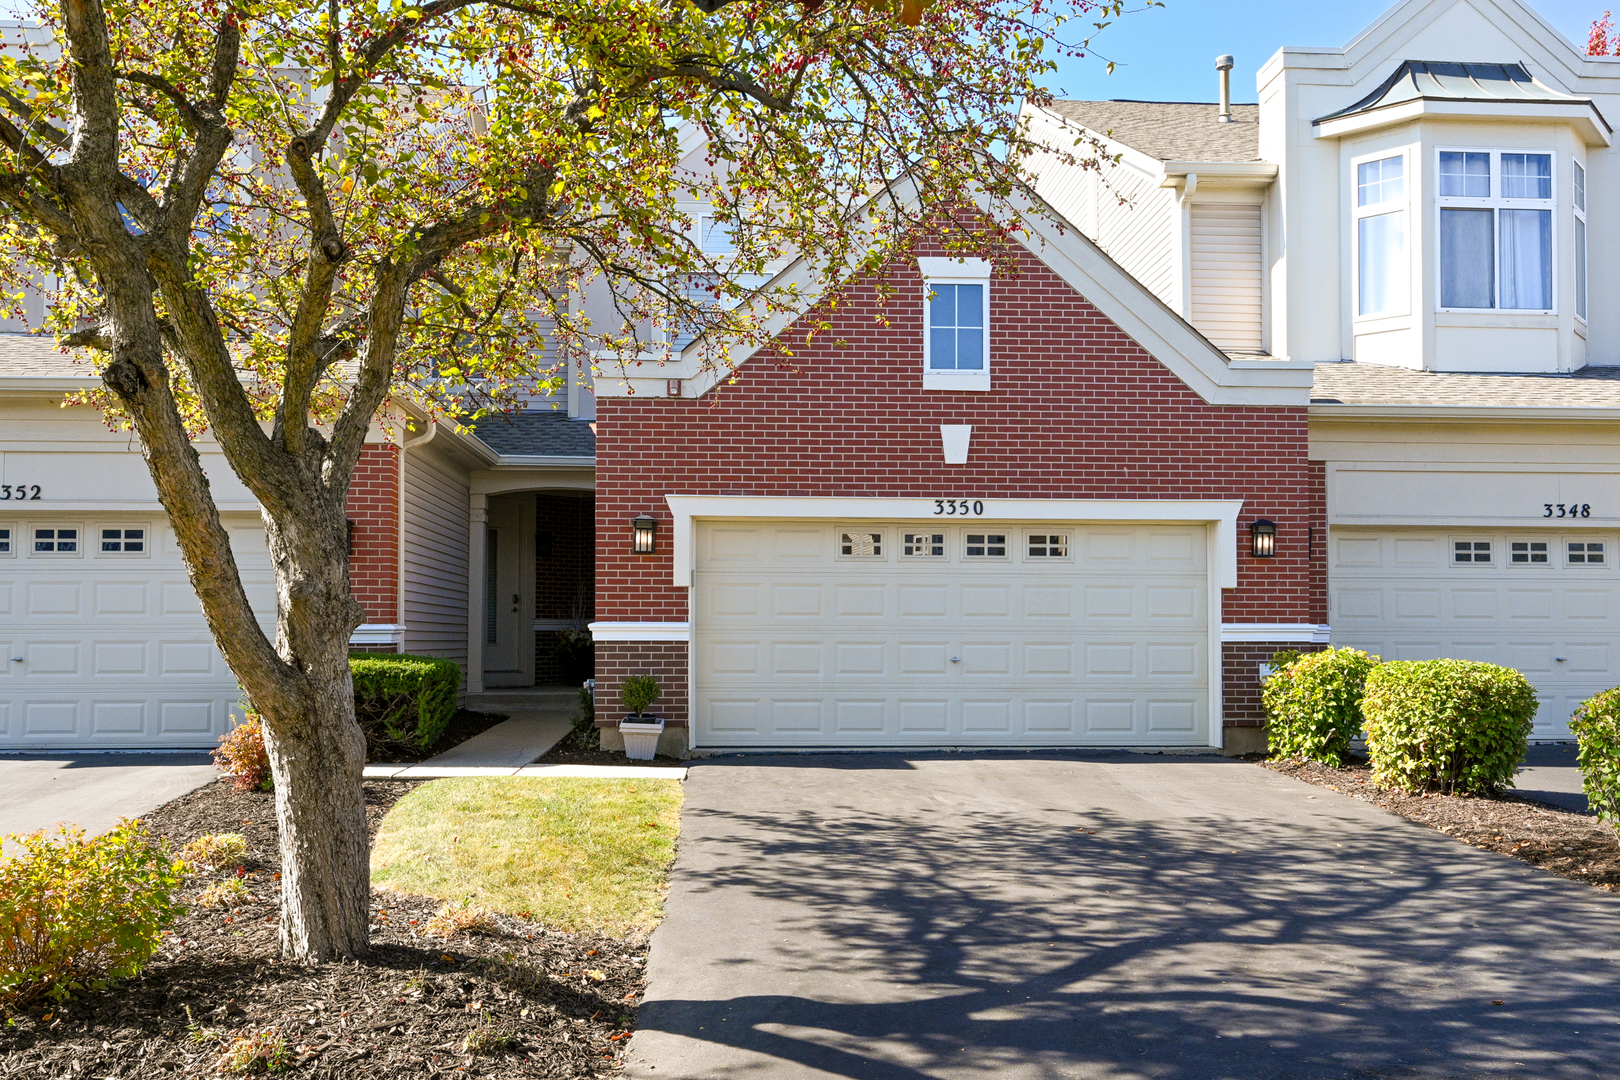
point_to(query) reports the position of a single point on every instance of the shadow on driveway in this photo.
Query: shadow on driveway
(1105, 916)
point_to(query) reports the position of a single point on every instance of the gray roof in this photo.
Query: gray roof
(1375, 384)
(1171, 130)
(1439, 80)
(538, 432)
(32, 356)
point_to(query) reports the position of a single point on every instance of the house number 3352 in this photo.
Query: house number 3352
(1566, 510)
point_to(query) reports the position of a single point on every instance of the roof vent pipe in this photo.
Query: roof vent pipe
(1223, 64)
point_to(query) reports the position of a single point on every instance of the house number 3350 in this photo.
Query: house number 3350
(1566, 510)
(958, 507)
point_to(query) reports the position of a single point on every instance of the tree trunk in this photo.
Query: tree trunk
(317, 760)
(317, 750)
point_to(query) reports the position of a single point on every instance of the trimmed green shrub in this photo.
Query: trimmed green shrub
(241, 756)
(637, 692)
(403, 700)
(1454, 726)
(1313, 706)
(78, 914)
(1596, 725)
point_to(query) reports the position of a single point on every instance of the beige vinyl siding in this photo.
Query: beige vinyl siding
(1120, 207)
(1137, 226)
(1226, 274)
(435, 557)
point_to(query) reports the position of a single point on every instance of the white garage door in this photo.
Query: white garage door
(104, 644)
(918, 634)
(1541, 602)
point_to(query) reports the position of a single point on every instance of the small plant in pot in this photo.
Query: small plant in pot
(639, 729)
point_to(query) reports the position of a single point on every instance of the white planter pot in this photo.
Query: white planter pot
(641, 736)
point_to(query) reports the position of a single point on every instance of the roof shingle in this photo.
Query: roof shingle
(32, 356)
(1375, 384)
(1171, 130)
(551, 433)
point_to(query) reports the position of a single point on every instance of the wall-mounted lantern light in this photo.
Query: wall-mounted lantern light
(1263, 536)
(644, 535)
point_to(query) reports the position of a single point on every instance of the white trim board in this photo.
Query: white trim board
(1223, 514)
(378, 634)
(640, 631)
(1305, 633)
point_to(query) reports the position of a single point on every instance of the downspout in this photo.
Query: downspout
(399, 574)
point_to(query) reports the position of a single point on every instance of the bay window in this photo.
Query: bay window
(1580, 241)
(1496, 230)
(1382, 285)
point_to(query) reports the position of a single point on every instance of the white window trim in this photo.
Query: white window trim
(1552, 546)
(146, 546)
(1451, 550)
(1597, 568)
(32, 529)
(900, 545)
(885, 542)
(1583, 274)
(1011, 538)
(1357, 212)
(1497, 202)
(1041, 560)
(17, 533)
(936, 271)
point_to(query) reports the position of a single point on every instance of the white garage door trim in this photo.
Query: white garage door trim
(1220, 517)
(1223, 514)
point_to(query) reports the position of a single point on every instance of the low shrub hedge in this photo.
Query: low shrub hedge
(1455, 726)
(403, 700)
(1596, 725)
(78, 914)
(1313, 705)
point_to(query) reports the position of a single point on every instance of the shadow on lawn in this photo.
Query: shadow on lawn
(1176, 945)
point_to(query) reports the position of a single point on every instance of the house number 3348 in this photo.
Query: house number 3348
(1566, 510)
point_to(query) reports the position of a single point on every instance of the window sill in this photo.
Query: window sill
(1536, 320)
(956, 380)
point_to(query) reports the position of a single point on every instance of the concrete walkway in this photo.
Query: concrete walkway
(92, 791)
(540, 718)
(1117, 916)
(1549, 775)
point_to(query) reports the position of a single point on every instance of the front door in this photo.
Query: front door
(509, 592)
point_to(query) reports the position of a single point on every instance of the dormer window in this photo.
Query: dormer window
(1382, 275)
(956, 324)
(1496, 230)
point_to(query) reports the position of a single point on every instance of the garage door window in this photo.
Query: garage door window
(861, 545)
(1048, 546)
(57, 540)
(985, 546)
(123, 541)
(5, 541)
(1585, 553)
(1471, 551)
(1528, 552)
(923, 545)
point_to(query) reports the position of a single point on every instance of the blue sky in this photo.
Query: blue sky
(1168, 53)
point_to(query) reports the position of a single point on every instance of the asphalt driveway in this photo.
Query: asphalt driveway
(38, 791)
(1105, 915)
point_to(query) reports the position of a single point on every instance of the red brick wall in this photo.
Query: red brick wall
(663, 660)
(1078, 411)
(1240, 678)
(374, 509)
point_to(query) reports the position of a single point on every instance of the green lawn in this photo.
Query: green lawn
(575, 853)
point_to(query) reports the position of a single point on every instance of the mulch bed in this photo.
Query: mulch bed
(462, 726)
(585, 748)
(555, 1004)
(1569, 844)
